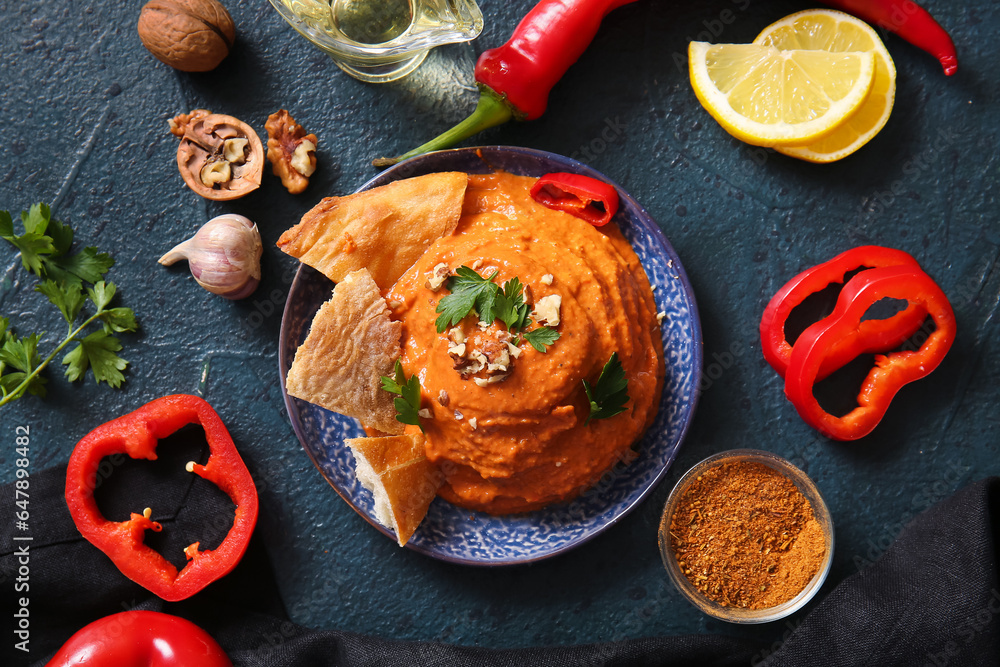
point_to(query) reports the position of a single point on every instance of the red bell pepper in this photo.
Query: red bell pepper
(515, 79)
(141, 639)
(873, 335)
(585, 197)
(908, 20)
(891, 371)
(136, 435)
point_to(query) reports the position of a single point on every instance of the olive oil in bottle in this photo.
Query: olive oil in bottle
(371, 21)
(381, 40)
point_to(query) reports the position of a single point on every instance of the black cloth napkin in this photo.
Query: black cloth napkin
(932, 599)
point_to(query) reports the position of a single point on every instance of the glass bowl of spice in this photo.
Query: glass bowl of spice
(746, 537)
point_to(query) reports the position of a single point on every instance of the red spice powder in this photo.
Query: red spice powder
(745, 536)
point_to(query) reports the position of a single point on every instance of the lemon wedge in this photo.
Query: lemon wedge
(829, 30)
(772, 97)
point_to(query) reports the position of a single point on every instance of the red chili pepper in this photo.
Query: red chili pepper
(873, 335)
(585, 197)
(908, 20)
(515, 79)
(136, 435)
(891, 371)
(140, 639)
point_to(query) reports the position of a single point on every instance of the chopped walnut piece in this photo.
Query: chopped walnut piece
(436, 278)
(291, 151)
(486, 353)
(424, 414)
(459, 416)
(474, 423)
(547, 279)
(443, 397)
(547, 310)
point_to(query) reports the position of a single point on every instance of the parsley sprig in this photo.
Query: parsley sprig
(407, 401)
(471, 292)
(70, 281)
(609, 394)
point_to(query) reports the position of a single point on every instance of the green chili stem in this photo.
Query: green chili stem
(491, 110)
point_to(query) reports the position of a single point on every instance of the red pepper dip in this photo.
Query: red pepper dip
(745, 536)
(506, 423)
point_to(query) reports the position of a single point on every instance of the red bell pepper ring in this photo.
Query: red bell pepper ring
(585, 197)
(873, 335)
(136, 435)
(515, 79)
(891, 371)
(908, 20)
(140, 639)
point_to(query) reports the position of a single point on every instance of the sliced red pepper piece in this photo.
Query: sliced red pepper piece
(585, 197)
(141, 639)
(891, 371)
(136, 435)
(873, 335)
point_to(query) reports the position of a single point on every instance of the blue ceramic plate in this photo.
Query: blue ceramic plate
(462, 536)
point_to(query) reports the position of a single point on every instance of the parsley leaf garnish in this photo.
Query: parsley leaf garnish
(407, 403)
(609, 394)
(97, 350)
(68, 280)
(471, 292)
(21, 355)
(541, 337)
(511, 308)
(45, 245)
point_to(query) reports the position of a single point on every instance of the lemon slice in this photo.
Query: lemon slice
(771, 97)
(834, 31)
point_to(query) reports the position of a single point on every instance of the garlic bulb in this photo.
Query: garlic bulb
(224, 256)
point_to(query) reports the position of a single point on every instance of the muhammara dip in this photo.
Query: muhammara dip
(505, 423)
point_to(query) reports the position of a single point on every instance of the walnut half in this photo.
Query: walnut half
(220, 157)
(291, 151)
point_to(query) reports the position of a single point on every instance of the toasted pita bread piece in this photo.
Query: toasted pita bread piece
(396, 470)
(385, 229)
(352, 343)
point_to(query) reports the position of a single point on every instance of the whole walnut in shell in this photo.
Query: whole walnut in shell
(189, 35)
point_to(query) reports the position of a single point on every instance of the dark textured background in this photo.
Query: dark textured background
(83, 113)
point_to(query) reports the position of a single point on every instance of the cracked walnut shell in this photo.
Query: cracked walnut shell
(290, 150)
(189, 35)
(219, 157)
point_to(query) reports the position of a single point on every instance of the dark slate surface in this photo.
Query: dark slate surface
(82, 126)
